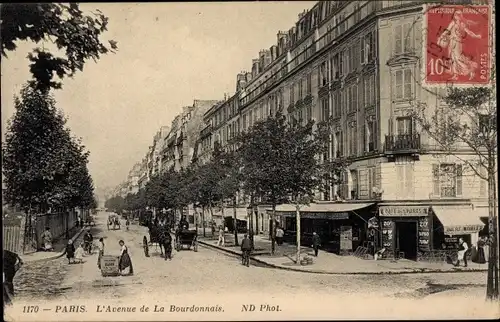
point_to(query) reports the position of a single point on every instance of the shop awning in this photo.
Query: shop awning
(458, 221)
(321, 210)
(241, 213)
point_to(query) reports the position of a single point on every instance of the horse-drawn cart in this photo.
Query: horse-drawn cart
(113, 221)
(187, 238)
(159, 236)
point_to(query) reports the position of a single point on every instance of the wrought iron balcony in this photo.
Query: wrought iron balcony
(402, 144)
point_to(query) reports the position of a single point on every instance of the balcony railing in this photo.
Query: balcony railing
(402, 143)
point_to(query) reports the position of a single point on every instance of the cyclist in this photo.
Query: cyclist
(246, 248)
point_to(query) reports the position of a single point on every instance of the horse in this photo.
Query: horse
(159, 232)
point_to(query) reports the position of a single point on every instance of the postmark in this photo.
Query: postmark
(456, 45)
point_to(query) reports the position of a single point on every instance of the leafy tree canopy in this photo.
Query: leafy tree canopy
(74, 33)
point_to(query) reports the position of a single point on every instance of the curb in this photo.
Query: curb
(414, 271)
(61, 254)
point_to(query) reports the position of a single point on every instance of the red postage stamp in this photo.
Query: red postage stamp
(457, 46)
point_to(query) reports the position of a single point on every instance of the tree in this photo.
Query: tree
(117, 203)
(228, 167)
(78, 35)
(263, 151)
(469, 120)
(36, 150)
(306, 174)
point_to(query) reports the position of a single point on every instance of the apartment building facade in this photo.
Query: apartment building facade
(359, 63)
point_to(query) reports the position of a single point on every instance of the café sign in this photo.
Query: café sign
(402, 211)
(459, 230)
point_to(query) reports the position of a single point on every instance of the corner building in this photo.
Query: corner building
(359, 62)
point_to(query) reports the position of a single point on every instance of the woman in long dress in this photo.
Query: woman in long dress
(100, 245)
(47, 239)
(452, 39)
(480, 258)
(70, 251)
(125, 261)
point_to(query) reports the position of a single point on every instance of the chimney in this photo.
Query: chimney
(255, 67)
(248, 77)
(267, 57)
(274, 52)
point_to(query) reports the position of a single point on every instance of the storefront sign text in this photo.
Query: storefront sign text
(463, 229)
(403, 211)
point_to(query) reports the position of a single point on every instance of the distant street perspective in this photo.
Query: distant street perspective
(152, 165)
(209, 269)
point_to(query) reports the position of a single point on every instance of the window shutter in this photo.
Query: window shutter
(459, 179)
(435, 179)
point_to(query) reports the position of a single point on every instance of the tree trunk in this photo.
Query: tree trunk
(251, 222)
(67, 224)
(203, 219)
(235, 223)
(297, 219)
(211, 215)
(273, 229)
(492, 280)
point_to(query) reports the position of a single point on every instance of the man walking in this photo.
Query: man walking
(11, 264)
(316, 243)
(462, 252)
(246, 248)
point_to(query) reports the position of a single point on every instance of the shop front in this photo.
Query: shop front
(453, 223)
(405, 230)
(342, 227)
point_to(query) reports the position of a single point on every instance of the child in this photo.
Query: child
(70, 251)
(79, 254)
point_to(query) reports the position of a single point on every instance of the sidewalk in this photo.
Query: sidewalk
(59, 248)
(329, 263)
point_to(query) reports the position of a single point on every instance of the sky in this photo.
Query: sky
(168, 55)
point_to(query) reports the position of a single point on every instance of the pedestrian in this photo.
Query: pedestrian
(479, 256)
(212, 227)
(127, 222)
(47, 240)
(221, 237)
(246, 249)
(462, 252)
(79, 254)
(279, 236)
(11, 264)
(125, 261)
(100, 246)
(88, 239)
(316, 242)
(70, 251)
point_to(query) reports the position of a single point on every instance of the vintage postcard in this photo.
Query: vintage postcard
(230, 161)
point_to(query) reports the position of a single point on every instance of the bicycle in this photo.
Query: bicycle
(245, 258)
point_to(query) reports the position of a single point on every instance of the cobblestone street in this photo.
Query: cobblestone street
(211, 271)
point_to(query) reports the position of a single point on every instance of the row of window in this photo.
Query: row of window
(447, 182)
(361, 50)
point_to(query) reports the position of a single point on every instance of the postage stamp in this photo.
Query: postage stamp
(457, 45)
